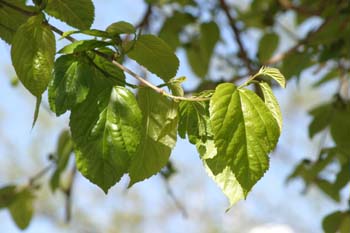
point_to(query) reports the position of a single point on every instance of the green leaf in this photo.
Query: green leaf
(158, 135)
(71, 82)
(201, 49)
(271, 103)
(77, 13)
(267, 46)
(328, 188)
(226, 179)
(120, 27)
(340, 127)
(106, 131)
(7, 195)
(331, 223)
(11, 19)
(22, 208)
(63, 152)
(274, 74)
(36, 111)
(90, 32)
(345, 224)
(109, 69)
(245, 132)
(32, 53)
(82, 46)
(155, 55)
(194, 117)
(322, 117)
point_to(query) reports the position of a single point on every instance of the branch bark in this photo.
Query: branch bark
(236, 32)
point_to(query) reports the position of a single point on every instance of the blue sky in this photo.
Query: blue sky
(270, 202)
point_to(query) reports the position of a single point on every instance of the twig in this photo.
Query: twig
(279, 57)
(232, 22)
(175, 200)
(40, 174)
(145, 19)
(286, 4)
(133, 74)
(120, 66)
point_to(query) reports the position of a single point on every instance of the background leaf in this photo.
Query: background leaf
(22, 208)
(267, 46)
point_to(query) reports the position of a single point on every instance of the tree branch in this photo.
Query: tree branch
(236, 32)
(279, 57)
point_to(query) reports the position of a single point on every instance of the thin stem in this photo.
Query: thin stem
(68, 192)
(283, 55)
(40, 174)
(175, 200)
(133, 74)
(232, 22)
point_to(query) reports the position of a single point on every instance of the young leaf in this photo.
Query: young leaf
(82, 46)
(271, 103)
(244, 130)
(155, 55)
(158, 135)
(11, 20)
(71, 83)
(22, 208)
(90, 32)
(106, 131)
(194, 117)
(120, 27)
(226, 179)
(77, 13)
(267, 46)
(33, 50)
(274, 74)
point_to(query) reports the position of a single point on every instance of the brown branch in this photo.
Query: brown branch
(287, 5)
(279, 57)
(120, 66)
(236, 32)
(145, 19)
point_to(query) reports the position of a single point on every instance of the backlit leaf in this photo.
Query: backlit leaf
(71, 83)
(158, 135)
(274, 74)
(106, 131)
(271, 103)
(245, 132)
(32, 53)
